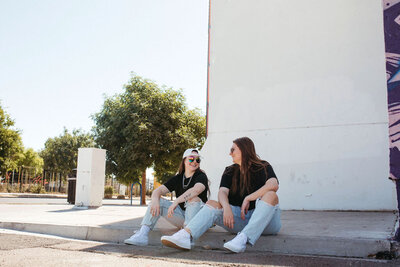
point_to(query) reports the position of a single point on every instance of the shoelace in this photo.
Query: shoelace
(182, 234)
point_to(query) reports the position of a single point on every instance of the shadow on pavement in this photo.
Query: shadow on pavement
(220, 256)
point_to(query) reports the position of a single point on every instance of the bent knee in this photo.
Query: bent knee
(163, 202)
(194, 199)
(271, 198)
(214, 204)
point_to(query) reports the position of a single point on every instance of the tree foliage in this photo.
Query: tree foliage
(191, 132)
(146, 125)
(60, 153)
(10, 143)
(32, 159)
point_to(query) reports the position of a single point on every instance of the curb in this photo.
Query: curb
(281, 243)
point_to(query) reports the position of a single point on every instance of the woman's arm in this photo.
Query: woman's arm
(270, 185)
(223, 194)
(223, 197)
(186, 196)
(155, 199)
(190, 193)
(161, 190)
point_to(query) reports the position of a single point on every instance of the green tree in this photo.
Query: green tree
(60, 153)
(32, 159)
(192, 132)
(10, 143)
(146, 126)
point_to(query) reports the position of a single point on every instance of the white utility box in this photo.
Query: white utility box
(90, 177)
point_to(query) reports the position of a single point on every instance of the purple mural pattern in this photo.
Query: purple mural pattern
(392, 44)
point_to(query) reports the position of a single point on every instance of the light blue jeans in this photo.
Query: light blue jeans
(181, 218)
(265, 219)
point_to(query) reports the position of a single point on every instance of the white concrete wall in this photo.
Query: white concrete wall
(90, 177)
(305, 79)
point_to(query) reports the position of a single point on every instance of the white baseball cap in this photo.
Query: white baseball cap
(191, 152)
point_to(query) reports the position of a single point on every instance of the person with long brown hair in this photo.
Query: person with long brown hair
(247, 202)
(191, 187)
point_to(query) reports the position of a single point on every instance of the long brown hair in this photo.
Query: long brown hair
(250, 162)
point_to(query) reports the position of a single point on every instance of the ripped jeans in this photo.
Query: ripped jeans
(265, 219)
(181, 218)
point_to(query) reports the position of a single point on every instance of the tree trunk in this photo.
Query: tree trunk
(20, 179)
(143, 188)
(59, 186)
(52, 179)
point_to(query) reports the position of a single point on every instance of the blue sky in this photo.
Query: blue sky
(58, 59)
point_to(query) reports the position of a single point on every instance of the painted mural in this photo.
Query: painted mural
(392, 44)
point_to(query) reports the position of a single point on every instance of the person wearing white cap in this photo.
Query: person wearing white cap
(248, 203)
(191, 187)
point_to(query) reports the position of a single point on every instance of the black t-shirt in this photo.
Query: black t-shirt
(258, 177)
(175, 184)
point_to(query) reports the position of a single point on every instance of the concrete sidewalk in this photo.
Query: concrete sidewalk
(32, 195)
(350, 234)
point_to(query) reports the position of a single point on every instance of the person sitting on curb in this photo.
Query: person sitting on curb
(190, 186)
(248, 203)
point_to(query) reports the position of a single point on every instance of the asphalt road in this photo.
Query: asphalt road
(25, 249)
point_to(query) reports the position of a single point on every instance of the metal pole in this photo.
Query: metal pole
(140, 185)
(141, 194)
(131, 192)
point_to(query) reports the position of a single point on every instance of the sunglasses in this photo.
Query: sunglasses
(192, 158)
(232, 149)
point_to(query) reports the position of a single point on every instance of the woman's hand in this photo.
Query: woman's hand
(155, 208)
(244, 208)
(171, 209)
(155, 200)
(228, 218)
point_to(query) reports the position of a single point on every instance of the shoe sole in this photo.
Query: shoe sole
(135, 244)
(172, 245)
(232, 250)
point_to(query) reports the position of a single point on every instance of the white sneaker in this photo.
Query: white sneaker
(238, 244)
(138, 239)
(179, 240)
